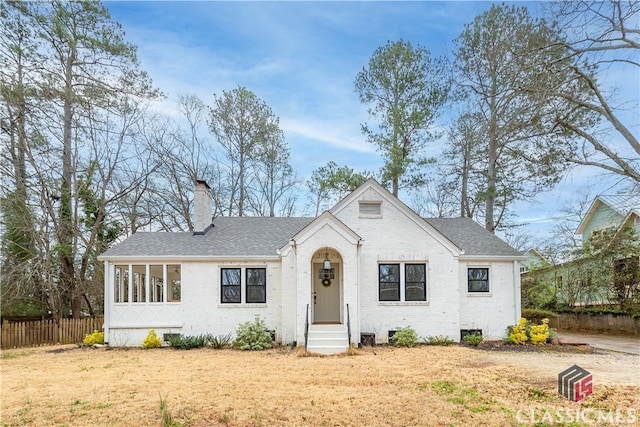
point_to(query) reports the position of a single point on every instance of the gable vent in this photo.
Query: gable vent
(370, 209)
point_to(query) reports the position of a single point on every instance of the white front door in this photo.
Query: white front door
(326, 296)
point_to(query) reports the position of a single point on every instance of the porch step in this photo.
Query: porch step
(328, 339)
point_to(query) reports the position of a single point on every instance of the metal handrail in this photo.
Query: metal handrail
(306, 328)
(348, 326)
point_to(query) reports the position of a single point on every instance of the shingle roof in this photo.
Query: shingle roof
(263, 236)
(229, 236)
(471, 237)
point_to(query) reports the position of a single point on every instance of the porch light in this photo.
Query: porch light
(327, 262)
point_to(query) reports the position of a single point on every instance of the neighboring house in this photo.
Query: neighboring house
(614, 211)
(362, 269)
(535, 259)
(574, 283)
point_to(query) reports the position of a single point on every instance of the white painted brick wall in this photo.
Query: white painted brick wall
(491, 312)
(394, 238)
(397, 238)
(200, 310)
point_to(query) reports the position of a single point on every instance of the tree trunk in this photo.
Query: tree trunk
(65, 227)
(491, 167)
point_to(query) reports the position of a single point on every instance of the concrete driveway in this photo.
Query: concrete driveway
(625, 344)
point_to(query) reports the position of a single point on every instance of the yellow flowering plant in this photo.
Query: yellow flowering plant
(152, 340)
(96, 337)
(525, 332)
(540, 333)
(518, 333)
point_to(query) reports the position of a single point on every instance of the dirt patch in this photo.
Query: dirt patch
(374, 386)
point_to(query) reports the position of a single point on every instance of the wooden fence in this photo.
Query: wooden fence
(47, 332)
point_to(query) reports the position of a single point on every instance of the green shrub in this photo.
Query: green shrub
(473, 339)
(253, 335)
(438, 340)
(536, 315)
(96, 337)
(405, 337)
(187, 342)
(220, 341)
(152, 340)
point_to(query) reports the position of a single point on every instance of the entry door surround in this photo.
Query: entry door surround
(326, 299)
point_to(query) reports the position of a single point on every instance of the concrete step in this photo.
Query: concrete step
(328, 339)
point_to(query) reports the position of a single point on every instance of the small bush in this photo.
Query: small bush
(539, 334)
(187, 342)
(253, 335)
(536, 314)
(473, 339)
(526, 331)
(152, 340)
(96, 337)
(405, 337)
(517, 334)
(438, 340)
(220, 341)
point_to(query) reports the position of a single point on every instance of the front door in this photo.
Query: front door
(326, 296)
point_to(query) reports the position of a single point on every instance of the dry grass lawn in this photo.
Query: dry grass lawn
(380, 386)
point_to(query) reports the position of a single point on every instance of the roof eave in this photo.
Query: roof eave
(493, 257)
(116, 258)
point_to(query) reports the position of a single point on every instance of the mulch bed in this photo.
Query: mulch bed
(530, 348)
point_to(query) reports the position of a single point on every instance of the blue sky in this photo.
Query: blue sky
(301, 58)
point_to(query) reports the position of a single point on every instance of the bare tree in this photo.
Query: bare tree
(242, 124)
(500, 56)
(274, 181)
(86, 75)
(601, 37)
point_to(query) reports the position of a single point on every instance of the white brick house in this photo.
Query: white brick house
(389, 268)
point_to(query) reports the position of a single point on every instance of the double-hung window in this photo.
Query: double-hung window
(478, 279)
(253, 280)
(402, 282)
(415, 282)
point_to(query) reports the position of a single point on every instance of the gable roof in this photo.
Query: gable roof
(472, 238)
(388, 197)
(327, 218)
(263, 237)
(623, 204)
(228, 237)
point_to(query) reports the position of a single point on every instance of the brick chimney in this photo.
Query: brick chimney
(202, 213)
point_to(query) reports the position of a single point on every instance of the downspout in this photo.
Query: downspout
(294, 249)
(358, 287)
(108, 298)
(517, 298)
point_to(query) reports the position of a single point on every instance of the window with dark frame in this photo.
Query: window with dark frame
(389, 280)
(256, 282)
(230, 288)
(478, 279)
(415, 282)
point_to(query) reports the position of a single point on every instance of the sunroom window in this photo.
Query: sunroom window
(144, 283)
